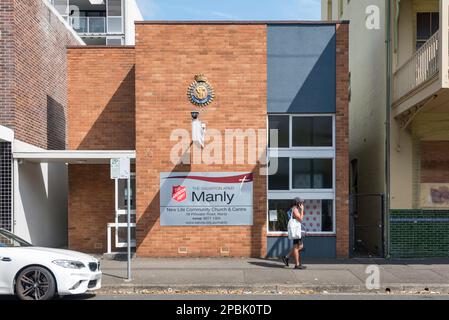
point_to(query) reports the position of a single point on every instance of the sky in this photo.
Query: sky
(230, 9)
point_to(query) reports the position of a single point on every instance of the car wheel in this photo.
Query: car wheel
(35, 283)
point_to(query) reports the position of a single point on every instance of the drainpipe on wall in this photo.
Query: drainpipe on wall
(386, 234)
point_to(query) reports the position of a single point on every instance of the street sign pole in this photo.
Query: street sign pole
(129, 228)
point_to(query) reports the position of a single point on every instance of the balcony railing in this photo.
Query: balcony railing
(421, 67)
(97, 25)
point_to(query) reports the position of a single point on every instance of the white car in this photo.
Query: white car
(34, 273)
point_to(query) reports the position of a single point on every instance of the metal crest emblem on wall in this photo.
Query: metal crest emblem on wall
(201, 93)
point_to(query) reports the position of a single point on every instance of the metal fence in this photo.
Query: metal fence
(367, 224)
(5, 186)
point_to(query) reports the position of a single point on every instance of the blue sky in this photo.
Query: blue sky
(230, 9)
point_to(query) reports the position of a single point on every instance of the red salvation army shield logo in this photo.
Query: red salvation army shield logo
(179, 193)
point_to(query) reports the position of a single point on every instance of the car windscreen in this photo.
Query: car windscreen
(7, 239)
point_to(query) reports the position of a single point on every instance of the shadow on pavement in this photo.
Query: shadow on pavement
(268, 264)
(86, 296)
(114, 276)
(358, 261)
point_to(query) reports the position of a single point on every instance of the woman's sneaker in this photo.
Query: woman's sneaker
(301, 267)
(285, 260)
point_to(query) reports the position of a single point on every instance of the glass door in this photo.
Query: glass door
(121, 213)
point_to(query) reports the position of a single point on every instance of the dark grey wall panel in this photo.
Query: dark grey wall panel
(301, 68)
(316, 247)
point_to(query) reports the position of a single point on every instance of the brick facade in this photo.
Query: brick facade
(101, 98)
(126, 99)
(342, 142)
(101, 116)
(91, 207)
(7, 63)
(234, 59)
(33, 78)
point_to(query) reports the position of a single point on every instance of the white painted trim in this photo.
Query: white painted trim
(6, 134)
(74, 154)
(66, 24)
(20, 146)
(303, 153)
(309, 234)
(306, 195)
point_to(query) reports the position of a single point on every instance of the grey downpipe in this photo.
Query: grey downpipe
(388, 133)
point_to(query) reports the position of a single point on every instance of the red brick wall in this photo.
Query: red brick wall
(101, 116)
(6, 63)
(434, 162)
(101, 113)
(233, 57)
(91, 207)
(342, 142)
(35, 63)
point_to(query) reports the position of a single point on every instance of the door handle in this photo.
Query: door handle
(6, 259)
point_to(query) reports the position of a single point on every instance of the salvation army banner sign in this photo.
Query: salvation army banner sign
(206, 199)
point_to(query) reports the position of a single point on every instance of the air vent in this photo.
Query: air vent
(182, 250)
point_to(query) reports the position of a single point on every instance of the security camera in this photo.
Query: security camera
(195, 115)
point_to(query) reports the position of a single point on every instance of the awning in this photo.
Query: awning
(74, 156)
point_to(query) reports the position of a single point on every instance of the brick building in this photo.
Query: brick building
(132, 102)
(33, 108)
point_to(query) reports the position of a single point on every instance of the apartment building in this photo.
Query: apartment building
(33, 114)
(101, 22)
(399, 124)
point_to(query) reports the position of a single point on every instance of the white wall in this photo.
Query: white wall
(6, 134)
(132, 14)
(367, 109)
(40, 200)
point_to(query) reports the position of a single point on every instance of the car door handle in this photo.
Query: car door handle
(6, 259)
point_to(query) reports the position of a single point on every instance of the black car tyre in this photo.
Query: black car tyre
(35, 283)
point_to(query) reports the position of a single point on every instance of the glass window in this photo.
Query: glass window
(318, 215)
(312, 173)
(115, 8)
(423, 21)
(312, 131)
(115, 25)
(123, 194)
(282, 124)
(309, 168)
(435, 23)
(9, 240)
(281, 179)
(427, 23)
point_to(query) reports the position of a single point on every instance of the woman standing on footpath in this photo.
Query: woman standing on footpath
(296, 212)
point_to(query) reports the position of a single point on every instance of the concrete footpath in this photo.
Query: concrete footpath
(253, 276)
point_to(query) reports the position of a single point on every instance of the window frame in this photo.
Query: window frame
(415, 31)
(303, 153)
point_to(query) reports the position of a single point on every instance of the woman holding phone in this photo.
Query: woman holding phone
(296, 212)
